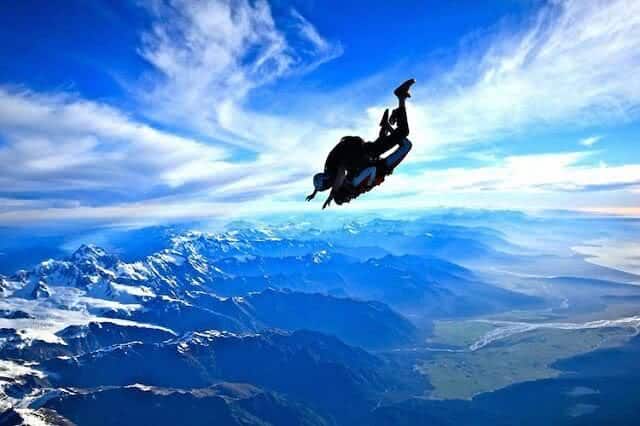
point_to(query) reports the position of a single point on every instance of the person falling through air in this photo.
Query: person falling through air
(354, 166)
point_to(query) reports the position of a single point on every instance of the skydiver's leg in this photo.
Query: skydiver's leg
(399, 116)
(386, 142)
(384, 166)
(396, 157)
(367, 176)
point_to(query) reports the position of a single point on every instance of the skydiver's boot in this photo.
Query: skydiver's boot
(402, 91)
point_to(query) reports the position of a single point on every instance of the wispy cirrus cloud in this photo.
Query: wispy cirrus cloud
(69, 152)
(66, 156)
(207, 56)
(569, 65)
(566, 68)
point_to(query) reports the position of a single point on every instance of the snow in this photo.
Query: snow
(245, 258)
(32, 418)
(110, 274)
(12, 372)
(172, 258)
(49, 318)
(203, 338)
(171, 299)
(103, 304)
(139, 291)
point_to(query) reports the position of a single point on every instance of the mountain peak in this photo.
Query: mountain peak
(88, 252)
(320, 256)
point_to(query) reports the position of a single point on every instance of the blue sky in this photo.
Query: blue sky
(163, 110)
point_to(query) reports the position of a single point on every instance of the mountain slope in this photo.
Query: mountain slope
(320, 370)
(223, 404)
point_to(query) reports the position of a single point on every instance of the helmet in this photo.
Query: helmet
(321, 182)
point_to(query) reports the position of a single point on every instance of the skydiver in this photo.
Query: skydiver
(354, 166)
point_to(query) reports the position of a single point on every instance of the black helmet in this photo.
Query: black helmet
(321, 182)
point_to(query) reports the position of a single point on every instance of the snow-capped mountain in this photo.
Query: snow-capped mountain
(280, 316)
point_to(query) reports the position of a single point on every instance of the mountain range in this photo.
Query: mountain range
(253, 325)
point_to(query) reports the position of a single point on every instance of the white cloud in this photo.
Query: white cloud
(308, 31)
(613, 210)
(208, 56)
(571, 66)
(321, 49)
(92, 153)
(67, 157)
(526, 174)
(200, 49)
(590, 141)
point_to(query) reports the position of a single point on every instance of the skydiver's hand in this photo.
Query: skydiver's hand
(312, 195)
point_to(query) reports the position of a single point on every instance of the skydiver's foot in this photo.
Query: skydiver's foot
(402, 91)
(385, 118)
(385, 126)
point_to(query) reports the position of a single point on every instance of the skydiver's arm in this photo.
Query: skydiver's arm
(328, 201)
(312, 195)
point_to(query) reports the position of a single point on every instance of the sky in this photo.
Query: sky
(116, 111)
